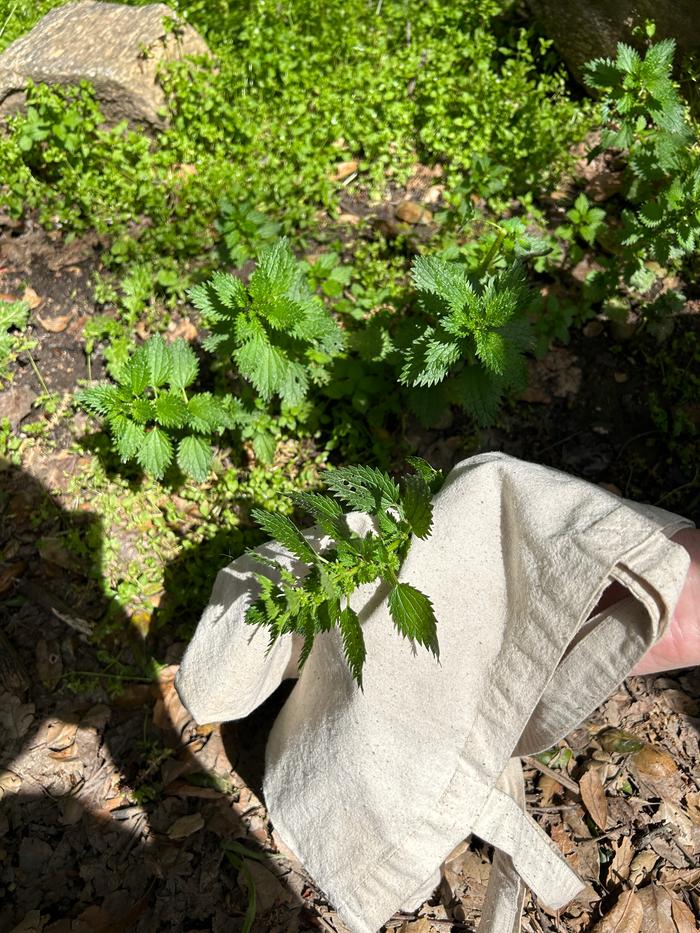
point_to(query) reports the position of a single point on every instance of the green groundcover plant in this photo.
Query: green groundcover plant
(320, 600)
(256, 131)
(646, 120)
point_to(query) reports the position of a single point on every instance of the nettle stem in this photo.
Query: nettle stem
(494, 249)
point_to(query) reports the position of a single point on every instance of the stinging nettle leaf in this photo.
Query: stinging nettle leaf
(230, 290)
(363, 488)
(155, 453)
(100, 399)
(135, 373)
(194, 457)
(170, 410)
(417, 506)
(184, 364)
(286, 532)
(326, 512)
(353, 642)
(128, 437)
(205, 413)
(159, 360)
(413, 615)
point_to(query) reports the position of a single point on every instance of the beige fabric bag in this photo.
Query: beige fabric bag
(372, 790)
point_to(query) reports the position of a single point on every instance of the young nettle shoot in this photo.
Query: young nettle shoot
(320, 600)
(152, 416)
(478, 335)
(278, 333)
(645, 117)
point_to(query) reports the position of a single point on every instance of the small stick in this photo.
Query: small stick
(555, 775)
(38, 374)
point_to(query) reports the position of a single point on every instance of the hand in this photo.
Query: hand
(680, 645)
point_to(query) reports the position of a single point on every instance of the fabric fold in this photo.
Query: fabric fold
(373, 789)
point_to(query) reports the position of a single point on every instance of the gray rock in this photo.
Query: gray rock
(117, 48)
(16, 403)
(588, 29)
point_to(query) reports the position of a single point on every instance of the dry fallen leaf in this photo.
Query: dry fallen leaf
(657, 772)
(682, 916)
(15, 717)
(344, 170)
(679, 879)
(625, 917)
(422, 925)
(593, 796)
(10, 783)
(186, 826)
(411, 212)
(31, 297)
(168, 712)
(659, 914)
(642, 864)
(55, 325)
(61, 735)
(620, 866)
(692, 802)
(549, 788)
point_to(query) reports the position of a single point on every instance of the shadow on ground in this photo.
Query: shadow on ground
(115, 808)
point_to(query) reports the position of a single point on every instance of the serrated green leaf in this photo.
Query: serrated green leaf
(155, 454)
(159, 360)
(194, 457)
(184, 364)
(277, 272)
(431, 477)
(363, 488)
(135, 374)
(479, 393)
(13, 314)
(353, 642)
(170, 410)
(201, 298)
(100, 399)
(492, 350)
(206, 413)
(128, 437)
(417, 506)
(325, 511)
(142, 410)
(261, 364)
(447, 280)
(264, 446)
(413, 615)
(230, 290)
(286, 532)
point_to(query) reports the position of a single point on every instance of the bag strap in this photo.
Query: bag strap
(526, 856)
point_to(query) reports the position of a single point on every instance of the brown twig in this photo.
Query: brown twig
(555, 775)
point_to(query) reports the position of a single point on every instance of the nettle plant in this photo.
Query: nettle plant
(344, 560)
(645, 117)
(473, 347)
(151, 415)
(275, 329)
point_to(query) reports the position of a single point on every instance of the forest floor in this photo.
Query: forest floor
(117, 809)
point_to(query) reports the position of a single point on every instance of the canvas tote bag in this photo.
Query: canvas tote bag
(373, 789)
